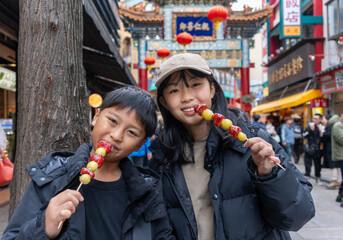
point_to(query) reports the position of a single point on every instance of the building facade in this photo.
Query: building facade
(225, 49)
(293, 56)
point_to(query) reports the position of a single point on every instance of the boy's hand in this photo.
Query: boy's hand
(262, 155)
(60, 208)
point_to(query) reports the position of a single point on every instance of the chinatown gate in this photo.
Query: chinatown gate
(226, 49)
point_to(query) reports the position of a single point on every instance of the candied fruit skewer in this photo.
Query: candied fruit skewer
(95, 162)
(220, 121)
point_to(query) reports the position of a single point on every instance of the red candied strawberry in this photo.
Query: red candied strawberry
(199, 108)
(98, 158)
(217, 119)
(234, 130)
(106, 145)
(88, 171)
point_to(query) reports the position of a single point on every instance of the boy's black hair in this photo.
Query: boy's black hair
(135, 99)
(174, 135)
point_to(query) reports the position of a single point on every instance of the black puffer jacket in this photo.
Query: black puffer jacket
(245, 206)
(145, 217)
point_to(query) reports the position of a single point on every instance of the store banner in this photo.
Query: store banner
(319, 103)
(7, 79)
(290, 11)
(293, 67)
(197, 24)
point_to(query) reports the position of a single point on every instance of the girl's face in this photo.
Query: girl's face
(180, 99)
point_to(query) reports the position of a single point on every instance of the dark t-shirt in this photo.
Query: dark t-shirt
(105, 204)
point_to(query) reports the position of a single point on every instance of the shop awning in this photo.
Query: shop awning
(291, 101)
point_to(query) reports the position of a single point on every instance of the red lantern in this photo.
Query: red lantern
(184, 39)
(149, 61)
(217, 14)
(163, 53)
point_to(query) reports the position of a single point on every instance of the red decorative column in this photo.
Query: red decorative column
(142, 70)
(245, 80)
(143, 78)
(245, 88)
(318, 33)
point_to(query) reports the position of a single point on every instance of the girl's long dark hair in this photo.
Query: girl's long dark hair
(173, 134)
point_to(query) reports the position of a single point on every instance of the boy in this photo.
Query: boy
(121, 202)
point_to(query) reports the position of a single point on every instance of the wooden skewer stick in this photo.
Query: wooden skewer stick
(280, 166)
(61, 222)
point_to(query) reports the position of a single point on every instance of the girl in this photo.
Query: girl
(215, 186)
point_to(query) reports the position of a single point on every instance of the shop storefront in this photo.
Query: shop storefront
(8, 106)
(291, 85)
(331, 84)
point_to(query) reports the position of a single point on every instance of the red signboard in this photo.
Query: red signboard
(319, 102)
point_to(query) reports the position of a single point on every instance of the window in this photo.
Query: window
(335, 18)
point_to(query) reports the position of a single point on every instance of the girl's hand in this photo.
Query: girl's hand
(60, 208)
(262, 155)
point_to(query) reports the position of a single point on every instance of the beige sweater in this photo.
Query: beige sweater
(197, 179)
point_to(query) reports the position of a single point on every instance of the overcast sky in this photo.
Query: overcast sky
(238, 6)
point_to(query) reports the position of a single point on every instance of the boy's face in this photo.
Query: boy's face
(121, 128)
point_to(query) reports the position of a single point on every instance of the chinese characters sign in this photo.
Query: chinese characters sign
(339, 79)
(7, 79)
(319, 102)
(287, 70)
(196, 24)
(291, 19)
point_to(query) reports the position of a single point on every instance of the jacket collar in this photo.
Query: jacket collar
(60, 163)
(142, 187)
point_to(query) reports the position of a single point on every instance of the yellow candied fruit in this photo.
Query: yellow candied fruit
(241, 136)
(101, 151)
(207, 114)
(85, 178)
(226, 124)
(92, 166)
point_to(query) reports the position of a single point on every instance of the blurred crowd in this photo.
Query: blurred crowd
(321, 142)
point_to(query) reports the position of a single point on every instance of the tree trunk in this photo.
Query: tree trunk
(52, 95)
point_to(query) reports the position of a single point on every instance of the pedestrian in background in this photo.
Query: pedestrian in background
(143, 155)
(297, 131)
(327, 155)
(271, 129)
(3, 139)
(336, 123)
(287, 136)
(256, 121)
(312, 133)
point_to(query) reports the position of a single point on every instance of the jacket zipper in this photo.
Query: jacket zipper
(183, 207)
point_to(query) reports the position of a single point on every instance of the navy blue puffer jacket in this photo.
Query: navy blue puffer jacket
(146, 217)
(245, 205)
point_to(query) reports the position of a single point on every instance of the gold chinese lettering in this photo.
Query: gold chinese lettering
(182, 26)
(294, 66)
(205, 26)
(190, 26)
(197, 26)
(299, 64)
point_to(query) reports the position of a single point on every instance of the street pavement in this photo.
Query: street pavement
(326, 225)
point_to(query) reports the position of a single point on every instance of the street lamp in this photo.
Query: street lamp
(312, 57)
(340, 40)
